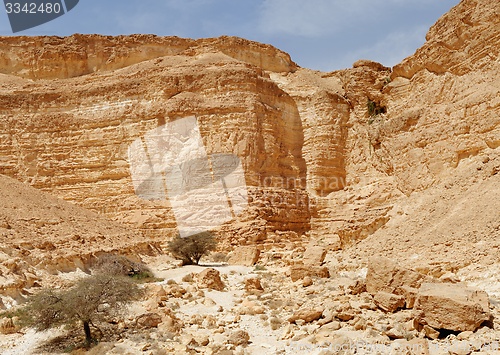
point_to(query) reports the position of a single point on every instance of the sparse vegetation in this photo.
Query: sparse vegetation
(374, 108)
(219, 257)
(119, 265)
(190, 249)
(90, 301)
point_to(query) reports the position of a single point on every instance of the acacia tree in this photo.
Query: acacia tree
(190, 249)
(91, 300)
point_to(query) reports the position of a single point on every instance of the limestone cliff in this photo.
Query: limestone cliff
(342, 153)
(71, 135)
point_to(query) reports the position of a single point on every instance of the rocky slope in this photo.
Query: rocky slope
(42, 235)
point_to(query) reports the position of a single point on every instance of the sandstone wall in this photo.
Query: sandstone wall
(314, 157)
(71, 136)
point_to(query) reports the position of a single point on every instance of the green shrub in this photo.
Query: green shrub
(374, 109)
(190, 249)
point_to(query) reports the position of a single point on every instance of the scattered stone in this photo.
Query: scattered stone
(244, 255)
(175, 291)
(358, 287)
(170, 323)
(307, 315)
(465, 335)
(395, 332)
(345, 316)
(148, 320)
(327, 317)
(307, 281)
(202, 340)
(253, 284)
(389, 302)
(331, 326)
(430, 332)
(298, 272)
(359, 323)
(188, 278)
(452, 306)
(314, 255)
(210, 278)
(239, 337)
(251, 308)
(409, 294)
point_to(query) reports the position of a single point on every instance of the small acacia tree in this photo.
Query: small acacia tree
(190, 249)
(91, 300)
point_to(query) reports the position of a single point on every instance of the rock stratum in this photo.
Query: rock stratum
(403, 162)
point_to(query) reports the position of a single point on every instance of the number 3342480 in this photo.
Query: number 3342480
(32, 8)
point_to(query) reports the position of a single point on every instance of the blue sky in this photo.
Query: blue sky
(319, 34)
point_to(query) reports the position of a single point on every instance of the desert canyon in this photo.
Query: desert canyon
(373, 216)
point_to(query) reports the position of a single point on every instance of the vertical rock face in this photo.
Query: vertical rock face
(339, 153)
(71, 136)
(324, 114)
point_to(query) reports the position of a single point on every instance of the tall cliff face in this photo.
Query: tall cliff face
(326, 153)
(71, 136)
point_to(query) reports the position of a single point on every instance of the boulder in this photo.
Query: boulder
(451, 306)
(253, 285)
(409, 294)
(387, 276)
(148, 320)
(389, 302)
(298, 272)
(430, 332)
(210, 278)
(239, 337)
(307, 315)
(314, 255)
(244, 255)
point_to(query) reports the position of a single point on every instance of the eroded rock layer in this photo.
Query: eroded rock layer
(367, 152)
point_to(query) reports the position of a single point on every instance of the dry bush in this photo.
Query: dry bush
(191, 249)
(219, 257)
(112, 264)
(91, 301)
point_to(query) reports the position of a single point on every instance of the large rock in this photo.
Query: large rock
(307, 315)
(389, 302)
(253, 285)
(387, 276)
(298, 272)
(452, 306)
(245, 255)
(210, 278)
(314, 255)
(239, 337)
(148, 320)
